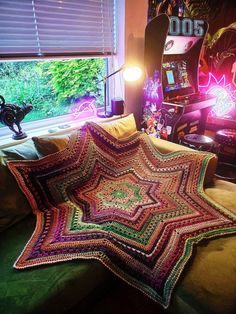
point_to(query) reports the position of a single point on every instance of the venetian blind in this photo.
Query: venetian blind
(41, 28)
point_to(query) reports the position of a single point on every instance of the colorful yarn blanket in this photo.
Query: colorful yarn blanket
(122, 202)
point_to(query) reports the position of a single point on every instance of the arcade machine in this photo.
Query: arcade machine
(173, 105)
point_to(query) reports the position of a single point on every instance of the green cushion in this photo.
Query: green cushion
(13, 203)
(50, 144)
(26, 150)
(48, 289)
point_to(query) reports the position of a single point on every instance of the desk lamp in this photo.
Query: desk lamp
(130, 74)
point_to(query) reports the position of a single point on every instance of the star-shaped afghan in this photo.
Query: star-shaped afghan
(121, 202)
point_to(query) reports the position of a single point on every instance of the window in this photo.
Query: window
(32, 31)
(55, 87)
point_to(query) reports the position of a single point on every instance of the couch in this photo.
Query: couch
(207, 285)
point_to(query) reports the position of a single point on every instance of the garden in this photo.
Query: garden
(51, 86)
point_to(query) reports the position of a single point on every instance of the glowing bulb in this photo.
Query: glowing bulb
(132, 74)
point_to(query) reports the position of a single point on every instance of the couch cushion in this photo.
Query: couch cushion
(223, 192)
(50, 289)
(209, 283)
(50, 144)
(120, 128)
(13, 203)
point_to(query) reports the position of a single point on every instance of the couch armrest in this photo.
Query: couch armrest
(166, 147)
(222, 192)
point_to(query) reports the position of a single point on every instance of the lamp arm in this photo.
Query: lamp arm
(105, 94)
(113, 73)
(105, 86)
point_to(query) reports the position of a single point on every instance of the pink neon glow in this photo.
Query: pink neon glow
(84, 107)
(225, 97)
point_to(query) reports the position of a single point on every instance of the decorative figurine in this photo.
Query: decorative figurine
(11, 115)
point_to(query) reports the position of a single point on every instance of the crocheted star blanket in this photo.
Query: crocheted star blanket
(122, 202)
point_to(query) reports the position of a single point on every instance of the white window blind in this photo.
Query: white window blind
(41, 28)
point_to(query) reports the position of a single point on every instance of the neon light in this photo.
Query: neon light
(225, 97)
(84, 106)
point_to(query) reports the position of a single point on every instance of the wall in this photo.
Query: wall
(135, 23)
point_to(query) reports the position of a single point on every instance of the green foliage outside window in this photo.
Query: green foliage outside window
(51, 86)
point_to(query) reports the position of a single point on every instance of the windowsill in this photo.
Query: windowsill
(46, 127)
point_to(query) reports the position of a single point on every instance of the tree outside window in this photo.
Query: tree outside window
(52, 86)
